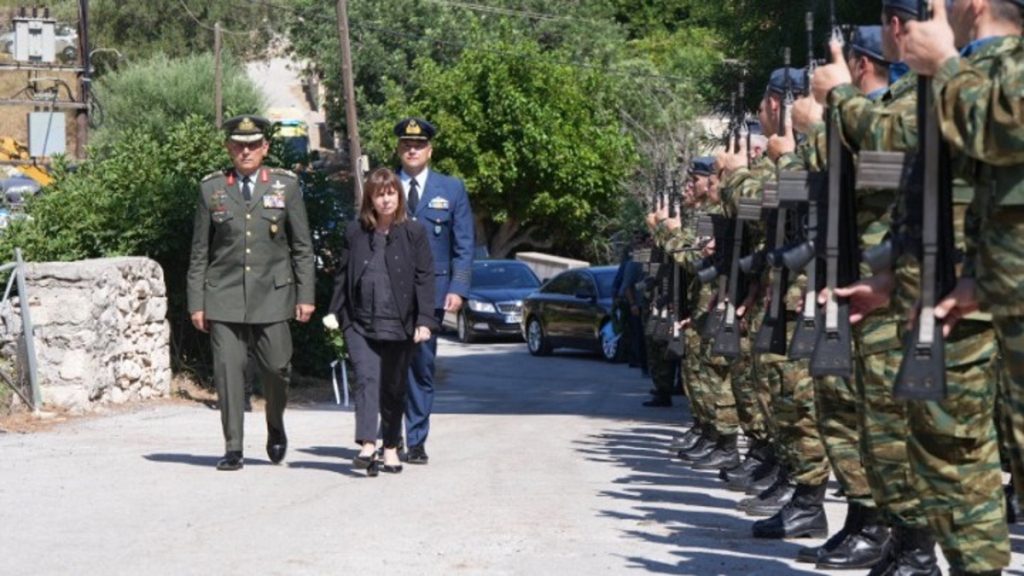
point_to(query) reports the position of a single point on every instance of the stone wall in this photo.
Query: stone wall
(101, 333)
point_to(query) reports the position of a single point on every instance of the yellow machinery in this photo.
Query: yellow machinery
(11, 149)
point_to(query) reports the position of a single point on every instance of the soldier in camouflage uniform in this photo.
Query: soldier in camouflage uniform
(981, 114)
(953, 479)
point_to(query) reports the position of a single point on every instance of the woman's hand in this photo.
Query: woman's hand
(422, 334)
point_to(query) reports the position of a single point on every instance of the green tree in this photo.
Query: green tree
(156, 93)
(537, 141)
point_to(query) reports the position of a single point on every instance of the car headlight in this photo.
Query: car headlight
(481, 306)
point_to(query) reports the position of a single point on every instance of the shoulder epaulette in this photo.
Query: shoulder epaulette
(283, 172)
(214, 174)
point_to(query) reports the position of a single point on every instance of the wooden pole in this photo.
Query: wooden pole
(218, 76)
(84, 80)
(354, 149)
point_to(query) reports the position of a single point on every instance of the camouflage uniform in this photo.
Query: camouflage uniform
(981, 114)
(952, 448)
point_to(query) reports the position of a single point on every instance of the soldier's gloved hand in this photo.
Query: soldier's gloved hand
(828, 77)
(331, 322)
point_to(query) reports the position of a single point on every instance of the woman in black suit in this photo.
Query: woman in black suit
(384, 303)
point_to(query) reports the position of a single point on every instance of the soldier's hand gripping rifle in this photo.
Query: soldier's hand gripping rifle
(834, 349)
(922, 374)
(714, 268)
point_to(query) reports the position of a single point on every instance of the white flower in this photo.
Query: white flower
(331, 322)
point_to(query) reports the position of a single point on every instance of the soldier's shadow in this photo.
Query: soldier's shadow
(196, 460)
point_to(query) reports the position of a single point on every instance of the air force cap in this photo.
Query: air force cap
(867, 41)
(246, 128)
(414, 129)
(796, 78)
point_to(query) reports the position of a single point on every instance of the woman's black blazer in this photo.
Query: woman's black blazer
(410, 267)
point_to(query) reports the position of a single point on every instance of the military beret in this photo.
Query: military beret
(867, 41)
(702, 166)
(797, 80)
(908, 7)
(414, 129)
(246, 128)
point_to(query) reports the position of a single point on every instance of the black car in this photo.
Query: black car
(573, 310)
(495, 303)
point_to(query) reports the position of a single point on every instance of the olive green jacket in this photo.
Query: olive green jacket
(251, 262)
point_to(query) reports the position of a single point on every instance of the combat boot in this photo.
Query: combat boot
(701, 448)
(763, 476)
(739, 475)
(915, 553)
(852, 524)
(1014, 515)
(802, 517)
(687, 439)
(724, 455)
(771, 500)
(863, 547)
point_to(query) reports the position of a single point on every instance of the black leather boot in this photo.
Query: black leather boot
(1014, 514)
(802, 517)
(700, 449)
(763, 476)
(862, 548)
(915, 553)
(852, 524)
(687, 439)
(725, 455)
(771, 500)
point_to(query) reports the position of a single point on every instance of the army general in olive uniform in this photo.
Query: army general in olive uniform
(251, 272)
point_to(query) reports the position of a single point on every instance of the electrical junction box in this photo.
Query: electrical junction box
(47, 133)
(35, 39)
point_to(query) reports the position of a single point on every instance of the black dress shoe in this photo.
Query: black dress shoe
(277, 445)
(388, 469)
(417, 455)
(231, 461)
(362, 462)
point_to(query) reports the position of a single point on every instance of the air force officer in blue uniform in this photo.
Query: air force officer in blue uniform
(441, 205)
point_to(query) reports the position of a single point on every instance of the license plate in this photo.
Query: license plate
(513, 318)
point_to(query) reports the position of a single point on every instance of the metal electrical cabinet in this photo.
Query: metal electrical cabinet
(35, 39)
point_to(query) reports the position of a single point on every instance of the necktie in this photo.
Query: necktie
(247, 189)
(414, 195)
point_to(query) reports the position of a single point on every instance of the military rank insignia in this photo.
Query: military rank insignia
(217, 203)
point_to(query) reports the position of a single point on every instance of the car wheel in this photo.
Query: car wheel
(535, 340)
(612, 347)
(463, 329)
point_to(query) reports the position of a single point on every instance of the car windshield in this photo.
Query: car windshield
(605, 278)
(504, 276)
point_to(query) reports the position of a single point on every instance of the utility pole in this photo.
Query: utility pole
(218, 76)
(355, 151)
(84, 80)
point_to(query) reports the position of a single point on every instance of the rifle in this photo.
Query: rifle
(666, 276)
(677, 345)
(834, 348)
(656, 257)
(922, 374)
(719, 228)
(771, 337)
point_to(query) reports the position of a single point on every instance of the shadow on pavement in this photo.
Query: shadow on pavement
(194, 460)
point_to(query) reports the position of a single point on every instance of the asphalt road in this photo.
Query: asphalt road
(538, 466)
